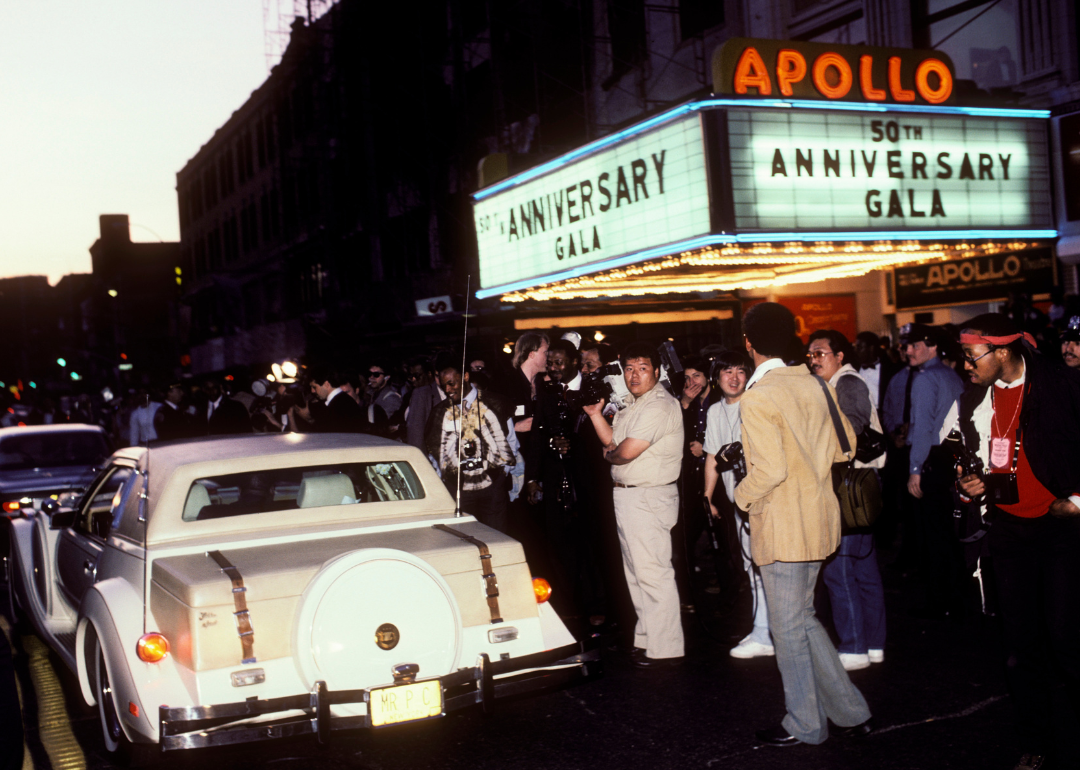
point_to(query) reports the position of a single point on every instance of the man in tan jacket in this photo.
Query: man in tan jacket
(790, 443)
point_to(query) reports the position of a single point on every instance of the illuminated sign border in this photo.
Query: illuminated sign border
(773, 237)
(722, 239)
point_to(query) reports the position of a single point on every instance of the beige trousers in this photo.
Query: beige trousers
(645, 516)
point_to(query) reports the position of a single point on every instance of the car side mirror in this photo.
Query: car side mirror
(63, 518)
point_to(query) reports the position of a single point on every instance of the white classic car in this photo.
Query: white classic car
(239, 589)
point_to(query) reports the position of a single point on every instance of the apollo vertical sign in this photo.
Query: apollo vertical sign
(848, 170)
(646, 191)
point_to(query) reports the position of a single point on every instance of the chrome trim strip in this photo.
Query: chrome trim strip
(203, 726)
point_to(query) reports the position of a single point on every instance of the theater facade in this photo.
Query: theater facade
(850, 183)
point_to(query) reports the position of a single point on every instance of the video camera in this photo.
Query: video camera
(608, 384)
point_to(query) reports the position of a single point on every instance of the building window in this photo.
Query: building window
(698, 16)
(981, 38)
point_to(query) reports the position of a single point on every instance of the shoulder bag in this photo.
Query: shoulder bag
(856, 489)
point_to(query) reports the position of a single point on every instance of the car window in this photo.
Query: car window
(282, 489)
(53, 449)
(103, 501)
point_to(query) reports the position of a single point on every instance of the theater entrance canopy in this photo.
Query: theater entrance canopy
(758, 187)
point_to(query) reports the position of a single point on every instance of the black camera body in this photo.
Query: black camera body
(471, 462)
(1001, 488)
(731, 457)
(556, 418)
(605, 384)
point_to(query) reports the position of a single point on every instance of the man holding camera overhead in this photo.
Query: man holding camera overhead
(1022, 419)
(644, 446)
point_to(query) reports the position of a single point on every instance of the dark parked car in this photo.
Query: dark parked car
(45, 461)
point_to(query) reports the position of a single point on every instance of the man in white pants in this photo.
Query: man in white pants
(645, 448)
(723, 426)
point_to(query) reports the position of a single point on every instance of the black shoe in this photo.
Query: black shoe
(650, 664)
(776, 736)
(1031, 762)
(854, 731)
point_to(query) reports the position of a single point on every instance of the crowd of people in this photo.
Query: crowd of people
(635, 480)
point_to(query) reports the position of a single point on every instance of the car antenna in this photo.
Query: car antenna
(460, 426)
(142, 517)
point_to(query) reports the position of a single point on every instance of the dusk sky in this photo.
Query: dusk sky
(102, 102)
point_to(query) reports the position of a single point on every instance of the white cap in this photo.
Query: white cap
(574, 339)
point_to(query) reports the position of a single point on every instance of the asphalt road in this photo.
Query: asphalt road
(939, 701)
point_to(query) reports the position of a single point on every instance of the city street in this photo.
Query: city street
(939, 701)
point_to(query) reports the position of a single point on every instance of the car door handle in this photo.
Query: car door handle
(90, 568)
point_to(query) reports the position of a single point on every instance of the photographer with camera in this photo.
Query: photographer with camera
(644, 447)
(724, 462)
(559, 451)
(696, 398)
(471, 428)
(1023, 415)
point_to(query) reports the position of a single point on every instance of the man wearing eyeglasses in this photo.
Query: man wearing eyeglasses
(424, 396)
(383, 402)
(1021, 416)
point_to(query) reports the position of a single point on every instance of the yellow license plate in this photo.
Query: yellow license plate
(405, 703)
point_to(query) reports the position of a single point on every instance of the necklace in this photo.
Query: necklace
(1019, 402)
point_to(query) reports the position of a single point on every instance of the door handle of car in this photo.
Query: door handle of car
(90, 568)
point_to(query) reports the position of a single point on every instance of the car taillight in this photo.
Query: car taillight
(542, 589)
(152, 647)
(10, 506)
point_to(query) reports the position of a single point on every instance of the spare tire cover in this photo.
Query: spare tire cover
(370, 610)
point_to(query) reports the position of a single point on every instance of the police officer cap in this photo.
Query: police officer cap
(912, 333)
(1072, 330)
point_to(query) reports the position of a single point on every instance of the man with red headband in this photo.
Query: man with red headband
(1022, 418)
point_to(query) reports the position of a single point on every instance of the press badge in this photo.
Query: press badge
(1001, 451)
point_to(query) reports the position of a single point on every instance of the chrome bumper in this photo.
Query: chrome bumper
(202, 726)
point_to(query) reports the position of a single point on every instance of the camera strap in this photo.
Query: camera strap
(841, 434)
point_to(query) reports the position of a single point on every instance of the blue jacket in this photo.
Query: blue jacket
(933, 392)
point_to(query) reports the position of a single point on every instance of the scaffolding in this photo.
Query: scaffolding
(278, 18)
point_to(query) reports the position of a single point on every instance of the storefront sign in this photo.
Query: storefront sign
(434, 305)
(647, 191)
(789, 69)
(832, 311)
(822, 170)
(980, 279)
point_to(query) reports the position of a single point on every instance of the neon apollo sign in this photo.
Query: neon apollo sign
(839, 143)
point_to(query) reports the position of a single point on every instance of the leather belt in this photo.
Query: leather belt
(242, 615)
(490, 582)
(625, 486)
(640, 486)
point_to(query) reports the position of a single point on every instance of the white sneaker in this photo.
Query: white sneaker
(876, 656)
(853, 661)
(750, 649)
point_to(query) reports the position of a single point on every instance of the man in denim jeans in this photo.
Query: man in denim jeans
(790, 444)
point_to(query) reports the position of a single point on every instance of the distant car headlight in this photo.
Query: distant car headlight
(542, 589)
(152, 647)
